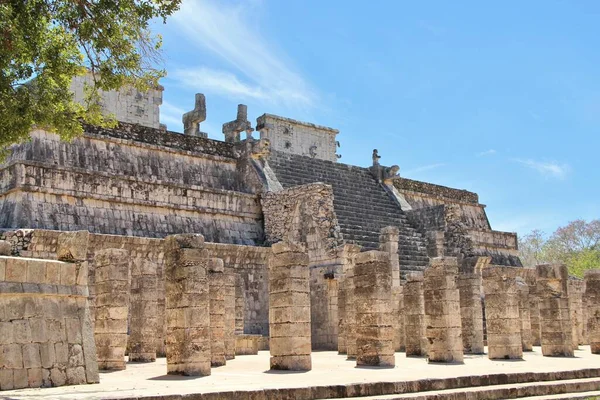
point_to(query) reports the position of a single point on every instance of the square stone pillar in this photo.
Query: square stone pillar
(373, 302)
(289, 308)
(555, 319)
(143, 322)
(442, 310)
(229, 298)
(388, 243)
(350, 253)
(216, 284)
(414, 315)
(398, 317)
(524, 315)
(529, 275)
(503, 322)
(240, 304)
(576, 289)
(187, 305)
(471, 313)
(342, 315)
(592, 302)
(112, 305)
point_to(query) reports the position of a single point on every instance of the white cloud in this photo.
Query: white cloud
(548, 169)
(423, 168)
(227, 30)
(171, 115)
(486, 153)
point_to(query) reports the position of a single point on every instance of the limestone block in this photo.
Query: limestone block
(555, 318)
(289, 308)
(398, 313)
(72, 246)
(143, 323)
(112, 302)
(442, 310)
(503, 321)
(592, 301)
(5, 248)
(187, 339)
(414, 315)
(374, 317)
(216, 281)
(246, 344)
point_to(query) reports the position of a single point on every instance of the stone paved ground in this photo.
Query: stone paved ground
(252, 373)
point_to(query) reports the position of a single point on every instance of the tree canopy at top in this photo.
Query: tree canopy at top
(45, 43)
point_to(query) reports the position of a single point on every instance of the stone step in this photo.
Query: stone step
(531, 390)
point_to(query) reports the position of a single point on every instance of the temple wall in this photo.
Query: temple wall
(121, 186)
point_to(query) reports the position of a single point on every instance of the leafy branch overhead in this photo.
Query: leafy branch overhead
(45, 43)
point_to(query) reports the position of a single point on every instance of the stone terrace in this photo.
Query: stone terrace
(334, 377)
(361, 204)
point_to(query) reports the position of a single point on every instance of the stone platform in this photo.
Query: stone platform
(334, 377)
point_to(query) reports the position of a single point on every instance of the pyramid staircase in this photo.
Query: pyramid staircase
(361, 204)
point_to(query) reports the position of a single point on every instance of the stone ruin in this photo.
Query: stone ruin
(145, 243)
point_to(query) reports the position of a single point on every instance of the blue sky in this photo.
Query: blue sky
(502, 99)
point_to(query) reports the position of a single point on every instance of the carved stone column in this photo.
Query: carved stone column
(229, 298)
(216, 283)
(503, 322)
(187, 305)
(289, 308)
(442, 308)
(414, 315)
(372, 296)
(112, 303)
(524, 315)
(350, 309)
(576, 289)
(555, 319)
(143, 323)
(471, 314)
(398, 317)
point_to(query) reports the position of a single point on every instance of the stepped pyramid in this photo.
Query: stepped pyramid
(362, 205)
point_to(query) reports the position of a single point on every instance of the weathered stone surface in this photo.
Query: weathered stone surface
(45, 328)
(112, 307)
(246, 344)
(216, 281)
(143, 324)
(188, 343)
(398, 317)
(555, 318)
(230, 313)
(289, 308)
(5, 248)
(414, 317)
(503, 320)
(72, 246)
(374, 316)
(442, 310)
(592, 302)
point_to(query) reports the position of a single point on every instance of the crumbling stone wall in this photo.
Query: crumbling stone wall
(46, 334)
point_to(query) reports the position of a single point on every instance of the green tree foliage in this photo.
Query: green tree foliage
(45, 43)
(577, 244)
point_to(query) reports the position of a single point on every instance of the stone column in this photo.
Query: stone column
(112, 302)
(528, 274)
(350, 328)
(576, 289)
(523, 292)
(187, 305)
(442, 310)
(239, 305)
(414, 315)
(373, 302)
(143, 322)
(289, 308)
(398, 315)
(471, 314)
(342, 315)
(555, 319)
(592, 301)
(216, 284)
(388, 243)
(229, 298)
(503, 324)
